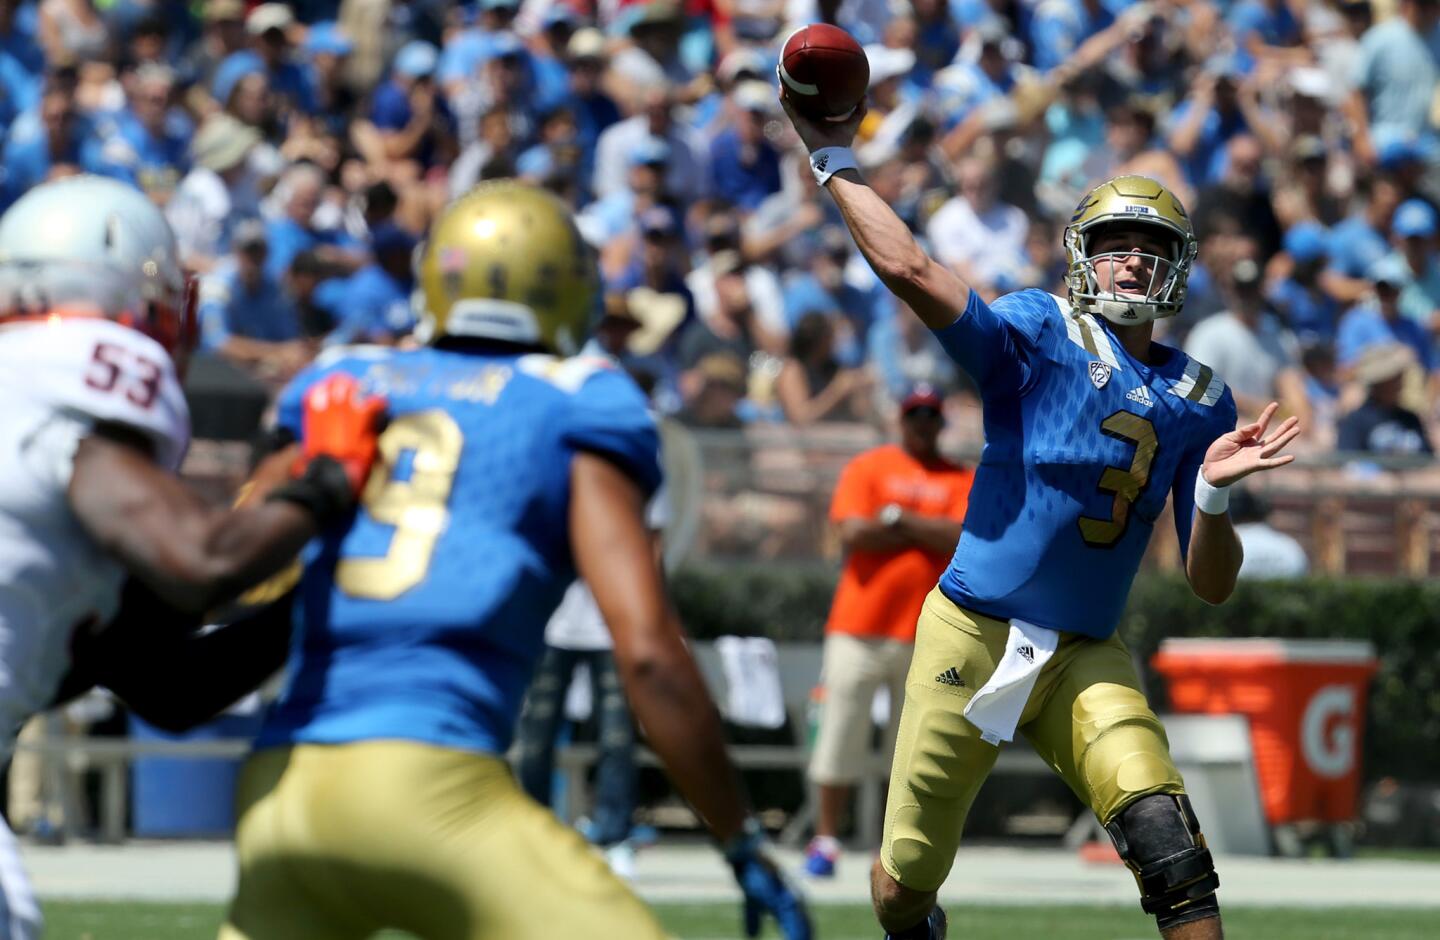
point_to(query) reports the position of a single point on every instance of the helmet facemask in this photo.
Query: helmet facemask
(1158, 294)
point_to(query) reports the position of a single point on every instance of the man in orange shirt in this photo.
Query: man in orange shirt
(898, 510)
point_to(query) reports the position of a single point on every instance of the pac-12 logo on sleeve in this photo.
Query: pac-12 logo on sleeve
(1099, 373)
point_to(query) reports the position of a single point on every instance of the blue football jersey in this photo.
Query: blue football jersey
(1082, 445)
(423, 618)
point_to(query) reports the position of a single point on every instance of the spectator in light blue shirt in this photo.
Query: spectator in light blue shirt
(244, 313)
(1413, 232)
(269, 27)
(45, 137)
(1360, 240)
(145, 145)
(1300, 298)
(823, 288)
(744, 165)
(1380, 321)
(1059, 27)
(1395, 72)
(19, 22)
(373, 305)
(300, 190)
(19, 89)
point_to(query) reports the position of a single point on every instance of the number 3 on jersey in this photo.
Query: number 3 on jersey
(1125, 484)
(416, 505)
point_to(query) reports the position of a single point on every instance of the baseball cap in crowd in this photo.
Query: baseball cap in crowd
(219, 11)
(268, 16)
(325, 38)
(994, 33)
(560, 14)
(222, 143)
(1225, 65)
(1382, 362)
(1307, 241)
(654, 14)
(1397, 153)
(887, 63)
(587, 43)
(1307, 147)
(504, 46)
(233, 68)
(536, 163)
(723, 369)
(417, 59)
(1245, 273)
(658, 220)
(922, 396)
(249, 233)
(1311, 82)
(652, 151)
(755, 96)
(387, 238)
(742, 60)
(1391, 270)
(1415, 218)
(616, 311)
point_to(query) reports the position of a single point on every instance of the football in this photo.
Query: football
(824, 71)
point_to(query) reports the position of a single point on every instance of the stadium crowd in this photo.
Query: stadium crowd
(301, 150)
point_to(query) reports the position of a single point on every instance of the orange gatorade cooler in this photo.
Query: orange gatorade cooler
(1305, 700)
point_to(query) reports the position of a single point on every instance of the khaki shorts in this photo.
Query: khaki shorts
(338, 842)
(853, 669)
(1086, 717)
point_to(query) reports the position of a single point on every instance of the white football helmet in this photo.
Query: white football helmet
(91, 246)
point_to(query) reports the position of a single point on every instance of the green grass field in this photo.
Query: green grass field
(83, 920)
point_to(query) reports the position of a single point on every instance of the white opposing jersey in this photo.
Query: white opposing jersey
(58, 379)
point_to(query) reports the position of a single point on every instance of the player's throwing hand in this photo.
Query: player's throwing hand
(1248, 449)
(815, 134)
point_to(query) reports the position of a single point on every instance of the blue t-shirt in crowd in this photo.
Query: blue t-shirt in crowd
(1366, 326)
(369, 305)
(228, 308)
(1355, 245)
(125, 149)
(1311, 315)
(745, 179)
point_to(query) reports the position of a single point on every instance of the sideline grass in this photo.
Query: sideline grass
(95, 920)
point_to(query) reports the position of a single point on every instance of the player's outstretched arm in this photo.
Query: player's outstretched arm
(195, 556)
(932, 290)
(615, 556)
(192, 555)
(1213, 561)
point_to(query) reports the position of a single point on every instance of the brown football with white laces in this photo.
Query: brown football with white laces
(824, 72)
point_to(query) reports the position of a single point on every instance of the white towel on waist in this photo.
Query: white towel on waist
(996, 706)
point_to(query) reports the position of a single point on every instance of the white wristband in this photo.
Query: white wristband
(1211, 500)
(827, 161)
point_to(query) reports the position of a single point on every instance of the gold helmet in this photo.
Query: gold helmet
(505, 261)
(1128, 202)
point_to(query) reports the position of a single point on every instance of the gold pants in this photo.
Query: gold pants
(338, 842)
(1086, 717)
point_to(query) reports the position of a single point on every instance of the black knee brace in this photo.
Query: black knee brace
(1159, 838)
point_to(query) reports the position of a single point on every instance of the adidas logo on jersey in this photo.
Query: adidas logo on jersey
(950, 676)
(1099, 374)
(1140, 395)
(1027, 653)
